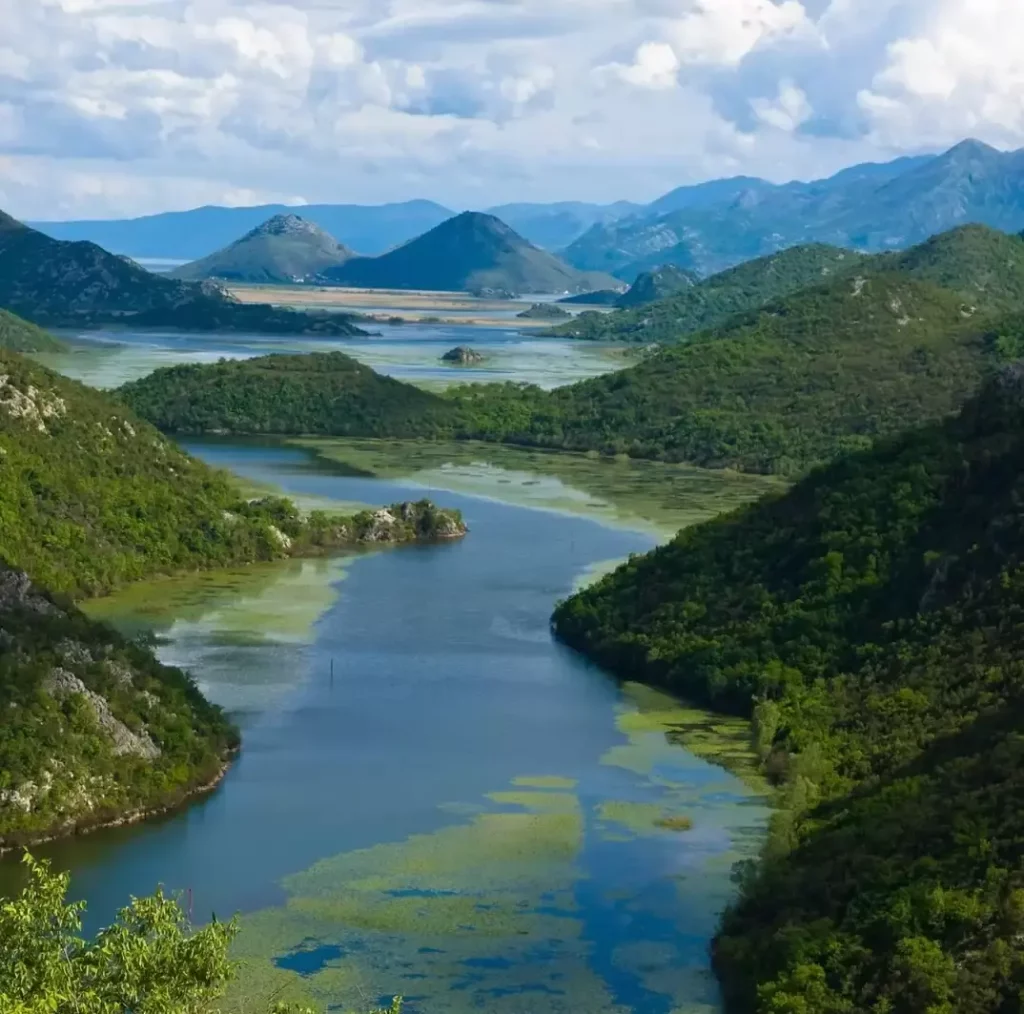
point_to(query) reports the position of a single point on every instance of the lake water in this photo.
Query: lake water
(434, 798)
(410, 352)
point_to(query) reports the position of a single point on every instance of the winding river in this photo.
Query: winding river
(435, 799)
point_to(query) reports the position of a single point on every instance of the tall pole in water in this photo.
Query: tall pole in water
(332, 672)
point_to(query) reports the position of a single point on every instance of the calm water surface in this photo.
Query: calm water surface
(464, 812)
(410, 352)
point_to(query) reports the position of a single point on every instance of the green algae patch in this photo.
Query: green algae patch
(545, 782)
(650, 717)
(278, 601)
(640, 818)
(650, 496)
(454, 918)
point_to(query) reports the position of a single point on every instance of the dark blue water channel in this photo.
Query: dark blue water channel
(447, 686)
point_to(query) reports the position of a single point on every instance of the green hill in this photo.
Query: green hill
(60, 284)
(984, 265)
(317, 394)
(784, 387)
(660, 283)
(285, 248)
(94, 727)
(91, 496)
(19, 335)
(470, 252)
(871, 622)
(710, 302)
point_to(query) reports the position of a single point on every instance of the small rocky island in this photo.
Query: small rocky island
(462, 355)
(544, 311)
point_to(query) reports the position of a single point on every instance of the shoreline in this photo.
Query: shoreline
(85, 826)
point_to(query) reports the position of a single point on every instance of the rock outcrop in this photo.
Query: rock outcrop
(462, 355)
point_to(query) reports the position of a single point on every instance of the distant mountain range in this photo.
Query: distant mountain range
(286, 248)
(705, 227)
(472, 252)
(367, 229)
(59, 284)
(871, 208)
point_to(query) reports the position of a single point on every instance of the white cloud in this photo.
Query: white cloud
(787, 111)
(121, 106)
(725, 31)
(655, 65)
(961, 73)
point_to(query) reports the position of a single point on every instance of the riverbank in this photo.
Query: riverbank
(103, 822)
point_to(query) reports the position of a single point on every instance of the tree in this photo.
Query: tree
(150, 961)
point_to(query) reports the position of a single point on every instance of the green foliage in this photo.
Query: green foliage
(150, 961)
(714, 300)
(871, 621)
(983, 266)
(20, 336)
(92, 497)
(651, 286)
(316, 394)
(94, 727)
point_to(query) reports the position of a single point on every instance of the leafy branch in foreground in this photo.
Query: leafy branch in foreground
(150, 961)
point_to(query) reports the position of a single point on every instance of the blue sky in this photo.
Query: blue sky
(123, 107)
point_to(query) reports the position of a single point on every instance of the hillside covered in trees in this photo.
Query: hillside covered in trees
(775, 390)
(984, 266)
(871, 622)
(19, 335)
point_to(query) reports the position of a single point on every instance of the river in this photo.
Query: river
(434, 798)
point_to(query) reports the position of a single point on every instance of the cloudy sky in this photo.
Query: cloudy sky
(122, 107)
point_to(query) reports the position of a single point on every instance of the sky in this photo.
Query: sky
(115, 108)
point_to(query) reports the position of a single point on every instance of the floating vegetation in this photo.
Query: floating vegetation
(520, 906)
(545, 782)
(646, 495)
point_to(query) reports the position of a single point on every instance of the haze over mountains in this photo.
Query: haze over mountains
(704, 227)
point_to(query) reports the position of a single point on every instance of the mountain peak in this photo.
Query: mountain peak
(286, 225)
(471, 251)
(968, 149)
(285, 248)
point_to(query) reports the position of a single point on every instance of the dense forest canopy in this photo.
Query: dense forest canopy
(871, 622)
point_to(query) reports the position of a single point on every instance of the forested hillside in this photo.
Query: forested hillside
(710, 302)
(91, 496)
(19, 335)
(94, 727)
(776, 390)
(871, 622)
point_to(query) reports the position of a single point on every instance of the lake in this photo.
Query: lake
(410, 352)
(434, 798)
